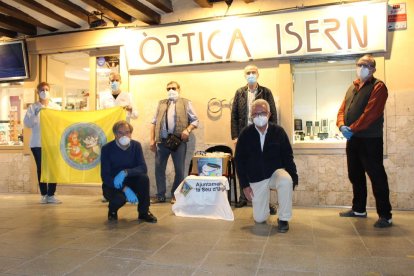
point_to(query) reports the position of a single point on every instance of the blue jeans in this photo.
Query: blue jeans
(161, 158)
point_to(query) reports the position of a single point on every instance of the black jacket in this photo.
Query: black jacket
(254, 165)
(239, 116)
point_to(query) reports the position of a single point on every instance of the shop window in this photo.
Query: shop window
(104, 66)
(319, 89)
(68, 76)
(13, 100)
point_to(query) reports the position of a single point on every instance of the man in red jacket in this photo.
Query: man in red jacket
(361, 121)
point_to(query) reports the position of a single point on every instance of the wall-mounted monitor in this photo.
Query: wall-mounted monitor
(14, 64)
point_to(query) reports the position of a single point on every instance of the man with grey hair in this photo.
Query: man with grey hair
(361, 121)
(124, 174)
(264, 161)
(240, 112)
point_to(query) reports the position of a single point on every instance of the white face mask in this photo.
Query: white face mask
(260, 121)
(172, 94)
(124, 141)
(44, 95)
(362, 73)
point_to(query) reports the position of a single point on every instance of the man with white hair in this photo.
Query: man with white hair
(264, 161)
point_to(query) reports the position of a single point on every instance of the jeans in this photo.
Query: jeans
(45, 188)
(365, 155)
(161, 158)
(139, 184)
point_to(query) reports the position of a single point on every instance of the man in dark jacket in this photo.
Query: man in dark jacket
(124, 174)
(264, 160)
(240, 112)
(361, 121)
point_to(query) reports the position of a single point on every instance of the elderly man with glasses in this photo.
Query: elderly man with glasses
(361, 121)
(175, 116)
(264, 161)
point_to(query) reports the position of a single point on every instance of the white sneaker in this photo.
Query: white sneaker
(43, 199)
(53, 200)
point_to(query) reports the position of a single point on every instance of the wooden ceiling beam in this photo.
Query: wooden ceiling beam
(203, 3)
(109, 10)
(16, 13)
(7, 33)
(47, 12)
(164, 5)
(16, 25)
(138, 10)
(74, 9)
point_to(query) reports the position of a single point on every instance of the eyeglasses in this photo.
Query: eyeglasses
(173, 88)
(251, 73)
(254, 115)
(364, 65)
(123, 133)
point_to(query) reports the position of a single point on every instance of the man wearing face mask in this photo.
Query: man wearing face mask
(264, 161)
(124, 174)
(174, 115)
(240, 112)
(361, 121)
(32, 120)
(116, 97)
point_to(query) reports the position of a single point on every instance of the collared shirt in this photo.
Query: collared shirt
(251, 96)
(107, 100)
(262, 135)
(171, 116)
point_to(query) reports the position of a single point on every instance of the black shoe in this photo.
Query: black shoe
(148, 217)
(282, 226)
(352, 214)
(241, 204)
(158, 199)
(112, 216)
(272, 209)
(383, 223)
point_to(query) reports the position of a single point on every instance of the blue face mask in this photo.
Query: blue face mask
(251, 78)
(115, 86)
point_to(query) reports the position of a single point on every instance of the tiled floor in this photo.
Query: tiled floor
(74, 238)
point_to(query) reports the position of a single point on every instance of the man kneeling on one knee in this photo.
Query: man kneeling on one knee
(264, 161)
(124, 174)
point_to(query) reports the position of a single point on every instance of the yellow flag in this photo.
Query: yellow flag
(72, 142)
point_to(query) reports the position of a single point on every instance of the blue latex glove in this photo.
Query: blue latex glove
(130, 195)
(119, 179)
(346, 132)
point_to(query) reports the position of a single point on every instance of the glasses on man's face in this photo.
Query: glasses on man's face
(364, 65)
(264, 113)
(124, 133)
(251, 73)
(173, 88)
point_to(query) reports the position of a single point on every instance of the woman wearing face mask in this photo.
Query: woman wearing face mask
(32, 120)
(116, 97)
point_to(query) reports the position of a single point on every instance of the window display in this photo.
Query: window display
(11, 114)
(319, 89)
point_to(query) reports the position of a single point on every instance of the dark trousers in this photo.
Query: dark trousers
(45, 188)
(366, 155)
(139, 184)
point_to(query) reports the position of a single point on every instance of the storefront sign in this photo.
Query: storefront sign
(397, 17)
(332, 30)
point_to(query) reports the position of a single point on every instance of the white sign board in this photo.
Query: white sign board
(332, 30)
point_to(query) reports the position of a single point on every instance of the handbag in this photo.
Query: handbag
(172, 142)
